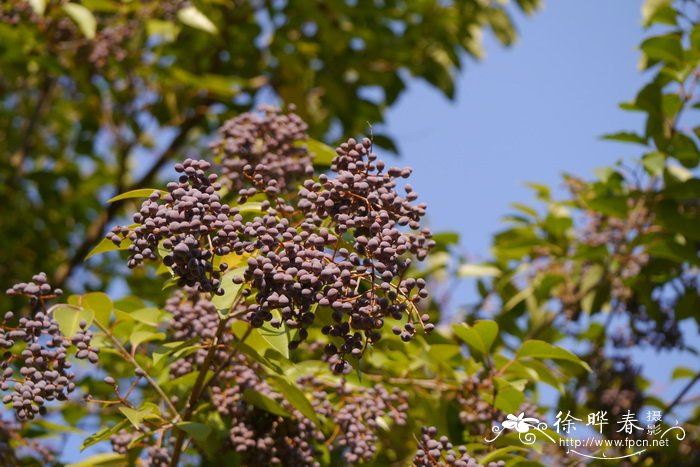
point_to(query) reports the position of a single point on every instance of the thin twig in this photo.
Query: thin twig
(125, 353)
(682, 394)
(97, 229)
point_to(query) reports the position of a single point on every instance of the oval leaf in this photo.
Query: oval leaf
(83, 18)
(140, 193)
(194, 18)
(69, 317)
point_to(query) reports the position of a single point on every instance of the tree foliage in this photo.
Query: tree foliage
(99, 95)
(276, 309)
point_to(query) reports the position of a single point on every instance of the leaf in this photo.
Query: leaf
(150, 316)
(264, 402)
(658, 11)
(140, 193)
(69, 317)
(105, 459)
(106, 245)
(39, 6)
(83, 18)
(100, 304)
(176, 349)
(251, 206)
(194, 18)
(167, 30)
(323, 154)
(509, 397)
(102, 435)
(502, 453)
(57, 428)
(198, 431)
(654, 163)
(626, 137)
(232, 291)
(541, 349)
(296, 397)
(667, 48)
(134, 416)
(139, 337)
(441, 353)
(385, 142)
(682, 373)
(479, 337)
(478, 270)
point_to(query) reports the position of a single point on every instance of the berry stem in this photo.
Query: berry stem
(198, 387)
(125, 353)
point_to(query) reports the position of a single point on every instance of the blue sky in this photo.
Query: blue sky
(527, 113)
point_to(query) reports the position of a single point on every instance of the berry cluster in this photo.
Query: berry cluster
(475, 413)
(344, 243)
(157, 456)
(258, 436)
(439, 452)
(613, 388)
(261, 152)
(44, 366)
(194, 317)
(190, 222)
(360, 278)
(37, 290)
(17, 450)
(356, 414)
(120, 441)
(44, 369)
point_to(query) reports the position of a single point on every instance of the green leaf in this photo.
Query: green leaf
(667, 48)
(479, 337)
(198, 431)
(57, 428)
(441, 353)
(167, 30)
(102, 435)
(478, 270)
(134, 416)
(140, 193)
(658, 11)
(503, 453)
(626, 137)
(150, 316)
(508, 396)
(232, 292)
(264, 402)
(176, 349)
(682, 373)
(105, 460)
(194, 18)
(323, 154)
(654, 163)
(83, 18)
(100, 304)
(68, 318)
(295, 397)
(106, 245)
(541, 350)
(139, 337)
(39, 6)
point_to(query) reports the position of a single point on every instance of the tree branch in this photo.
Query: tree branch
(682, 394)
(97, 229)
